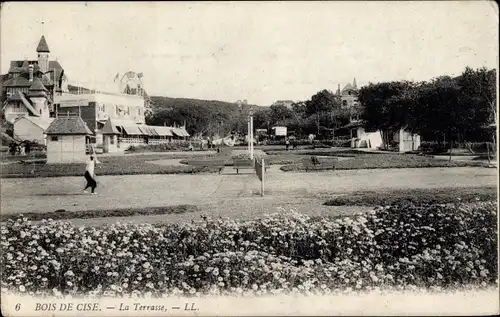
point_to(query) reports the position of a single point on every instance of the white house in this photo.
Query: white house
(32, 128)
(405, 140)
(67, 140)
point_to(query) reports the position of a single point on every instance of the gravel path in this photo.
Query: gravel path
(49, 194)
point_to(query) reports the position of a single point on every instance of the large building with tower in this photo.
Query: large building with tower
(37, 92)
(348, 95)
(32, 85)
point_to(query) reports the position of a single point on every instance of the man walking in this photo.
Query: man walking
(90, 174)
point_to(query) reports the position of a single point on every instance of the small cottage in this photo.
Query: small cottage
(406, 141)
(109, 137)
(67, 140)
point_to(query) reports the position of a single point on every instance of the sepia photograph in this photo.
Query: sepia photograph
(253, 158)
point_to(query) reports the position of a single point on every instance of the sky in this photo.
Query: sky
(258, 51)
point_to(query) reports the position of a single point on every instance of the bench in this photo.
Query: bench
(240, 164)
(207, 164)
(309, 164)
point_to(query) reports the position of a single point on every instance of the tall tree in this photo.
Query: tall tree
(322, 104)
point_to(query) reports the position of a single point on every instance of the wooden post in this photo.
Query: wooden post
(262, 181)
(251, 136)
(488, 149)
(248, 136)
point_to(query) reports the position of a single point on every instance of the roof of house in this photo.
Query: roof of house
(347, 87)
(43, 123)
(353, 124)
(180, 132)
(163, 131)
(19, 96)
(42, 46)
(37, 85)
(53, 73)
(132, 130)
(109, 128)
(148, 130)
(68, 125)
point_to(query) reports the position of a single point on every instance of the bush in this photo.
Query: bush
(444, 147)
(338, 142)
(165, 147)
(405, 246)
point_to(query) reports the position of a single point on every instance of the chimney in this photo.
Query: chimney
(31, 72)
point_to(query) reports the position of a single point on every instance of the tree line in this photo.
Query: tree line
(443, 109)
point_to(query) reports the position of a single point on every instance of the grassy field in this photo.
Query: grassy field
(364, 160)
(104, 213)
(112, 165)
(417, 196)
(138, 164)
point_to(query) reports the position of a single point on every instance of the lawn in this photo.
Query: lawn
(364, 160)
(417, 196)
(86, 214)
(354, 159)
(111, 165)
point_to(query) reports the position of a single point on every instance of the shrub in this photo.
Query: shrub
(180, 145)
(338, 142)
(404, 246)
(444, 147)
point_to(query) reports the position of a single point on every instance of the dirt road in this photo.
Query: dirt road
(231, 190)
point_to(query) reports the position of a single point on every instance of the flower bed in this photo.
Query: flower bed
(401, 247)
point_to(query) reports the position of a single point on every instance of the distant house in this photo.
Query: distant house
(67, 140)
(406, 141)
(32, 128)
(348, 94)
(362, 139)
(399, 139)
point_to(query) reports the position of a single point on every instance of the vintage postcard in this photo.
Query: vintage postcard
(249, 158)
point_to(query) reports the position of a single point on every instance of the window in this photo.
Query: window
(349, 92)
(40, 111)
(54, 138)
(344, 102)
(112, 140)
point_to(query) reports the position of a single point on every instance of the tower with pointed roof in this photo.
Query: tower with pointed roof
(37, 93)
(43, 54)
